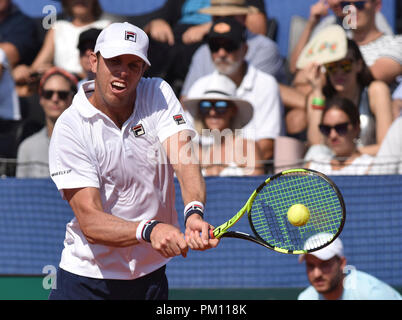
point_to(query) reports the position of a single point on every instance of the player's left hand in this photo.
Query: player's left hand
(197, 234)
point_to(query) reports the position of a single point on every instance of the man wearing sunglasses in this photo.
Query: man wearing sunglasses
(263, 52)
(319, 20)
(228, 45)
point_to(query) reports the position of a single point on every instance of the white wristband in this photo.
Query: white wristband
(191, 205)
(140, 228)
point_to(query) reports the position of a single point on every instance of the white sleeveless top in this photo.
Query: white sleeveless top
(66, 35)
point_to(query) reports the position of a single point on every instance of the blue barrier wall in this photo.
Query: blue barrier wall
(33, 218)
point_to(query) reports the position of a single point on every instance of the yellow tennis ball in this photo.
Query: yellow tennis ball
(298, 215)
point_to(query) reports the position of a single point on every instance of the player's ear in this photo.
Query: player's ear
(93, 60)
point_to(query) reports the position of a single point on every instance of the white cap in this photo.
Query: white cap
(122, 38)
(330, 251)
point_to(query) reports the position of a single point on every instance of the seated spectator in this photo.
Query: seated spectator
(349, 77)
(56, 90)
(228, 46)
(262, 53)
(18, 35)
(340, 127)
(86, 45)
(326, 273)
(319, 20)
(174, 36)
(223, 116)
(60, 44)
(381, 52)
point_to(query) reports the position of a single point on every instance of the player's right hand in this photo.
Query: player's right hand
(168, 240)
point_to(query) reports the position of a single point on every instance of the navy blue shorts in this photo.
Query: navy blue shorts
(69, 286)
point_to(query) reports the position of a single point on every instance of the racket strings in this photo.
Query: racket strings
(268, 214)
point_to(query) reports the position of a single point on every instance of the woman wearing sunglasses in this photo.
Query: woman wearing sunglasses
(219, 118)
(340, 127)
(350, 78)
(56, 90)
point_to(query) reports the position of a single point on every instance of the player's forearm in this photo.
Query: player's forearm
(109, 230)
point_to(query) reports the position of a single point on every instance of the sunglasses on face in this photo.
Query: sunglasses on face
(358, 4)
(345, 65)
(62, 94)
(220, 107)
(228, 46)
(340, 128)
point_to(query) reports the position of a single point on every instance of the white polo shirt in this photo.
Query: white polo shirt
(261, 90)
(88, 150)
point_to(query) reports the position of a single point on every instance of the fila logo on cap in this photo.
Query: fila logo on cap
(130, 36)
(138, 130)
(179, 119)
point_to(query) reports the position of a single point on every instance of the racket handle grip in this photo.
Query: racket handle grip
(211, 234)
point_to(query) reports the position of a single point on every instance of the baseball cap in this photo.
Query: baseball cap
(330, 251)
(227, 28)
(122, 38)
(326, 46)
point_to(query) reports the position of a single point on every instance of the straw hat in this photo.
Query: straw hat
(228, 8)
(329, 45)
(221, 88)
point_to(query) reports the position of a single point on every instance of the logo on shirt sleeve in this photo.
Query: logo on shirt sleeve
(138, 130)
(178, 118)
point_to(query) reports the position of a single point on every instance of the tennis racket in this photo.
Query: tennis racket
(268, 206)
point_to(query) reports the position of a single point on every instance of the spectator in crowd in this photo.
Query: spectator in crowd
(228, 47)
(381, 52)
(262, 53)
(223, 116)
(86, 45)
(174, 36)
(389, 158)
(56, 90)
(60, 44)
(18, 35)
(350, 78)
(329, 280)
(319, 19)
(340, 127)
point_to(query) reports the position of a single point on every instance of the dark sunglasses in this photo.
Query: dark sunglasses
(345, 65)
(340, 128)
(358, 4)
(220, 106)
(228, 46)
(62, 94)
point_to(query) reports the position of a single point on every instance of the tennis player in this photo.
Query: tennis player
(113, 155)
